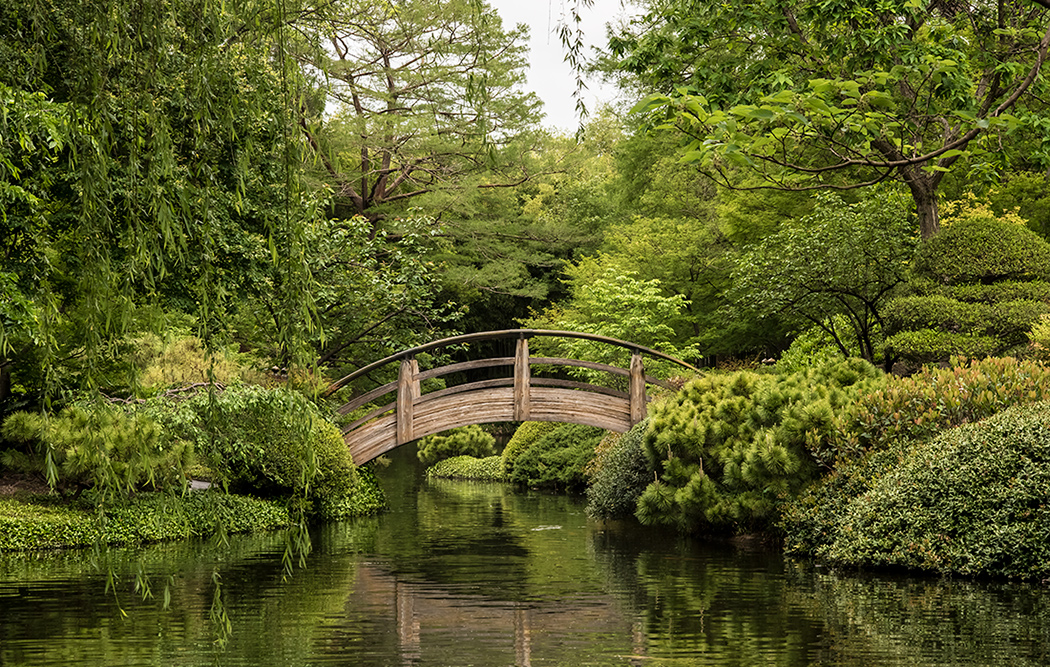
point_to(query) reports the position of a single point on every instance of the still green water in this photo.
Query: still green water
(477, 574)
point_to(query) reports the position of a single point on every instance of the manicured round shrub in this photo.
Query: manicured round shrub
(983, 251)
(559, 458)
(524, 436)
(465, 441)
(488, 469)
(936, 312)
(974, 500)
(1006, 290)
(931, 345)
(622, 473)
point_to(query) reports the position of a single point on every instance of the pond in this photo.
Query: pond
(460, 573)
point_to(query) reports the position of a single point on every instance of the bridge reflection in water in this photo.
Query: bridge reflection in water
(522, 397)
(420, 608)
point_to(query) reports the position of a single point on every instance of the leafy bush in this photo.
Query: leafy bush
(558, 459)
(815, 346)
(97, 446)
(271, 442)
(621, 474)
(730, 449)
(1006, 290)
(974, 500)
(936, 312)
(930, 345)
(524, 436)
(466, 441)
(488, 469)
(983, 251)
(148, 517)
(932, 400)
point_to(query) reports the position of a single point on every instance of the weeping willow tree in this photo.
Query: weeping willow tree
(149, 165)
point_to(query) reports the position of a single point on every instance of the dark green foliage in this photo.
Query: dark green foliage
(974, 500)
(970, 296)
(984, 251)
(271, 442)
(488, 469)
(1006, 290)
(1008, 321)
(96, 446)
(148, 517)
(558, 459)
(730, 449)
(524, 436)
(622, 474)
(932, 400)
(466, 441)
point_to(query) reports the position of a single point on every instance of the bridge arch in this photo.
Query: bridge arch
(521, 397)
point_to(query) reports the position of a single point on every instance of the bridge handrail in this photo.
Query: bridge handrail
(506, 333)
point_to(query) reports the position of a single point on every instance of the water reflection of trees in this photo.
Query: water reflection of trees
(725, 604)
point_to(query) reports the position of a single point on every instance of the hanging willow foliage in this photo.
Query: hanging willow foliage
(149, 165)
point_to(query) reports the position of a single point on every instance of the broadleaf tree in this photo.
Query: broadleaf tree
(817, 94)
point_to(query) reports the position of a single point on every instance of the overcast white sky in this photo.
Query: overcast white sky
(549, 75)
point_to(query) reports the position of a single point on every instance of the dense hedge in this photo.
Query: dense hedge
(45, 523)
(983, 251)
(926, 346)
(524, 436)
(978, 288)
(488, 469)
(621, 474)
(973, 500)
(933, 400)
(558, 459)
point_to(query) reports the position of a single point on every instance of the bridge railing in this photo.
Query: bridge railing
(408, 384)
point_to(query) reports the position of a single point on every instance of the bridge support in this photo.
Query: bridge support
(407, 393)
(522, 378)
(637, 391)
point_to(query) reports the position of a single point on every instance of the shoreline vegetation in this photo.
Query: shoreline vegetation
(946, 471)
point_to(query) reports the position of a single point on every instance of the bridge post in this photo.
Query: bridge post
(522, 377)
(638, 408)
(407, 393)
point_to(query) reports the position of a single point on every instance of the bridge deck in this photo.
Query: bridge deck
(520, 398)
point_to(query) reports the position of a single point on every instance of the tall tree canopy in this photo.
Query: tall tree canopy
(818, 94)
(425, 93)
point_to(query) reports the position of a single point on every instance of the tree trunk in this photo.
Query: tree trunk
(924, 193)
(5, 379)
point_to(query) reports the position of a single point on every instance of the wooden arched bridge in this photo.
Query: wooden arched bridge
(521, 397)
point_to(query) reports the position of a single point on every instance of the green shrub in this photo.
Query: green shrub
(524, 436)
(816, 346)
(271, 442)
(1006, 290)
(935, 312)
(98, 446)
(621, 474)
(929, 345)
(983, 251)
(974, 500)
(932, 400)
(730, 449)
(488, 469)
(558, 459)
(466, 441)
(44, 523)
